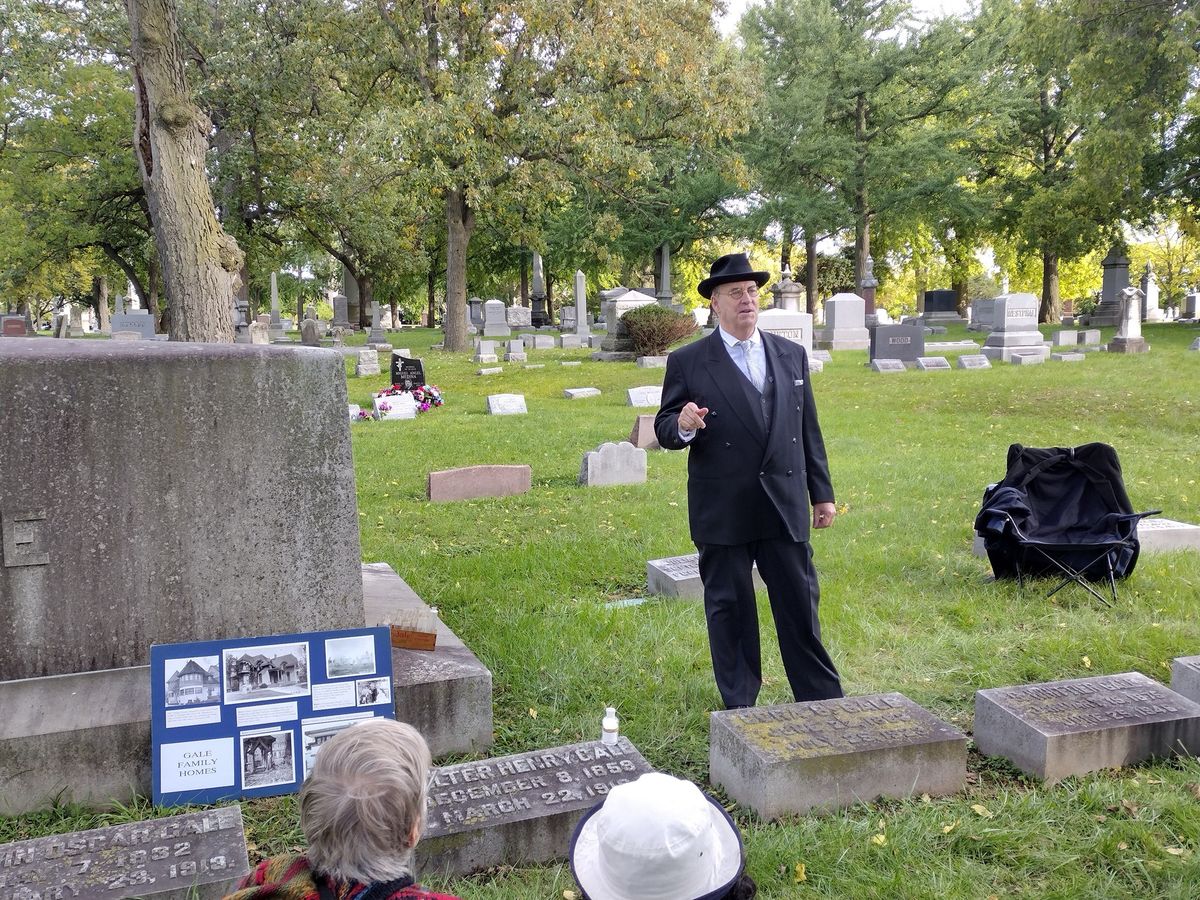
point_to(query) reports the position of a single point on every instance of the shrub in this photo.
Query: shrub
(654, 328)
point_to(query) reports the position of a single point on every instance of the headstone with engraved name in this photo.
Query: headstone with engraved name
(485, 352)
(941, 306)
(1115, 280)
(518, 809)
(649, 395)
(196, 855)
(517, 316)
(611, 464)
(832, 754)
(903, 342)
(845, 324)
(974, 361)
(1128, 338)
(407, 372)
(679, 576)
(395, 406)
(367, 362)
(515, 351)
(797, 327)
(1157, 535)
(887, 365)
(140, 321)
(1062, 728)
(506, 405)
(12, 326)
(1014, 329)
(932, 363)
(495, 321)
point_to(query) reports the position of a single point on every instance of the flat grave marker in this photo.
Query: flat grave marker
(831, 754)
(648, 395)
(823, 355)
(491, 370)
(395, 406)
(580, 393)
(196, 854)
(651, 362)
(1061, 728)
(679, 576)
(1157, 534)
(887, 366)
(1070, 356)
(521, 808)
(974, 361)
(506, 405)
(470, 482)
(932, 363)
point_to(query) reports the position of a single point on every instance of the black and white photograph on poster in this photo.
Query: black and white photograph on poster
(350, 656)
(373, 690)
(315, 732)
(267, 759)
(265, 672)
(193, 680)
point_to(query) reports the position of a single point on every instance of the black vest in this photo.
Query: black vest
(764, 400)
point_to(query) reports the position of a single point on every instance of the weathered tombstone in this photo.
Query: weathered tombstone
(932, 363)
(651, 362)
(643, 434)
(368, 362)
(1195, 345)
(581, 393)
(822, 355)
(795, 326)
(1027, 356)
(1065, 338)
(75, 696)
(611, 464)
(475, 312)
(617, 344)
(506, 405)
(490, 370)
(903, 342)
(395, 406)
(376, 335)
(845, 324)
(941, 306)
(515, 351)
(495, 322)
(485, 352)
(517, 316)
(649, 395)
(1116, 279)
(1157, 535)
(983, 314)
(519, 809)
(974, 361)
(537, 294)
(310, 333)
(569, 341)
(353, 299)
(1070, 356)
(679, 576)
(407, 372)
(340, 311)
(1063, 728)
(1191, 306)
(1185, 677)
(194, 855)
(1129, 333)
(539, 341)
(787, 296)
(13, 326)
(140, 321)
(354, 411)
(478, 481)
(1014, 329)
(886, 366)
(832, 754)
(1090, 338)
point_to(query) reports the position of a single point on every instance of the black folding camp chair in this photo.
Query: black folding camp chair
(1061, 511)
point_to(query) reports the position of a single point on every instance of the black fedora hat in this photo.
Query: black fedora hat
(730, 267)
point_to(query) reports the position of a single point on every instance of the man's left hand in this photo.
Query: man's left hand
(823, 514)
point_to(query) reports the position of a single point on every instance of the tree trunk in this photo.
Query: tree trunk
(524, 278)
(431, 297)
(1051, 308)
(785, 249)
(862, 211)
(395, 314)
(200, 261)
(150, 298)
(810, 271)
(366, 297)
(100, 302)
(460, 222)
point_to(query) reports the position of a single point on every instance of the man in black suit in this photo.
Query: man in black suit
(740, 399)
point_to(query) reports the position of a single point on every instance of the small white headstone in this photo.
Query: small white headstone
(581, 393)
(395, 406)
(611, 463)
(506, 405)
(649, 395)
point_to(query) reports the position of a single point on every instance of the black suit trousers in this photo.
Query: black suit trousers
(731, 610)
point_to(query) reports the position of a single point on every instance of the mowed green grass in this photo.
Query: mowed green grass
(905, 607)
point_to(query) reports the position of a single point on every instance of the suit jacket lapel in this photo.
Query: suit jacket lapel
(727, 377)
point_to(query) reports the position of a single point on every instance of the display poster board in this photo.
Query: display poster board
(246, 717)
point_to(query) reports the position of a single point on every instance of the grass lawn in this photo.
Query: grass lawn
(905, 607)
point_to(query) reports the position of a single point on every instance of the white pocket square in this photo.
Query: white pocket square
(799, 382)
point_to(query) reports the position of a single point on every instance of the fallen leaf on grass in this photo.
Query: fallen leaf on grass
(925, 798)
(1178, 851)
(1101, 818)
(532, 713)
(946, 829)
(1130, 807)
(879, 840)
(1087, 663)
(1122, 846)
(801, 875)
(570, 895)
(1195, 789)
(980, 810)
(1153, 781)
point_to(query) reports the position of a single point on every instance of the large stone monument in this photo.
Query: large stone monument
(582, 329)
(845, 324)
(1116, 279)
(210, 539)
(537, 295)
(353, 299)
(1151, 311)
(617, 344)
(791, 324)
(903, 342)
(941, 306)
(276, 327)
(340, 311)
(1129, 333)
(1014, 329)
(376, 335)
(786, 295)
(495, 322)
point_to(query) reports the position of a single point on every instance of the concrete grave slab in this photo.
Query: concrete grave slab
(478, 481)
(1068, 357)
(445, 693)
(506, 405)
(1185, 677)
(974, 361)
(581, 393)
(951, 345)
(648, 395)
(831, 754)
(570, 362)
(518, 809)
(611, 464)
(816, 366)
(1027, 358)
(194, 855)
(823, 355)
(1157, 534)
(651, 362)
(536, 366)
(643, 434)
(679, 576)
(1062, 728)
(491, 370)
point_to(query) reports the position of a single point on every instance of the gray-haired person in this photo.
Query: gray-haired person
(362, 809)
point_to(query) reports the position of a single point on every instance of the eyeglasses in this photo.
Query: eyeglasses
(739, 294)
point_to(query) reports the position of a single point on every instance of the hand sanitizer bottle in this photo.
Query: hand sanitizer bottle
(608, 726)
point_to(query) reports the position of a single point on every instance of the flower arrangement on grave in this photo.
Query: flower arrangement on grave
(426, 396)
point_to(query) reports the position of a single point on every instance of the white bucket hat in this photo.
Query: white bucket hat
(657, 838)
